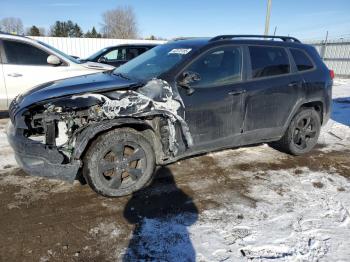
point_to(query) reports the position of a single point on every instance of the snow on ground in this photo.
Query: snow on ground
(305, 219)
(336, 134)
(7, 159)
(299, 214)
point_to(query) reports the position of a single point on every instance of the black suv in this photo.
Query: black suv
(179, 99)
(118, 55)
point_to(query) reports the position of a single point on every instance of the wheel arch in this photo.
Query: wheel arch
(318, 105)
(86, 136)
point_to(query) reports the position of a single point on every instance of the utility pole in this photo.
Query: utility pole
(268, 14)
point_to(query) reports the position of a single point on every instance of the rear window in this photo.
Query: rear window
(301, 60)
(268, 61)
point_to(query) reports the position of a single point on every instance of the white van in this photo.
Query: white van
(25, 63)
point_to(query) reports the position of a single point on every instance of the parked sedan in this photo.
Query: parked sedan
(25, 63)
(118, 55)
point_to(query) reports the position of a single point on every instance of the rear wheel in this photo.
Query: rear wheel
(302, 133)
(119, 163)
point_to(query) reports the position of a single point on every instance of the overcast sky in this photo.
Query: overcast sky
(306, 19)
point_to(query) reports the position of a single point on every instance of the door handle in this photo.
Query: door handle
(236, 93)
(15, 75)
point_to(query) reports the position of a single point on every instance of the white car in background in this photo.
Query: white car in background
(26, 63)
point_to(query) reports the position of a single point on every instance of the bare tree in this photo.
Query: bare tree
(11, 25)
(120, 23)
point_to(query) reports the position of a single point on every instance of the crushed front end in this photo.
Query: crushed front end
(49, 137)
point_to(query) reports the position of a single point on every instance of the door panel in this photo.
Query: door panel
(214, 111)
(269, 102)
(25, 66)
(273, 91)
(20, 78)
(213, 114)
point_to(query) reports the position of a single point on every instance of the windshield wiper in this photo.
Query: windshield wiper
(121, 75)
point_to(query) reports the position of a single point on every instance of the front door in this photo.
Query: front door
(214, 111)
(24, 67)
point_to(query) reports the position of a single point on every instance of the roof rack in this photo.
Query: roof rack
(283, 38)
(186, 38)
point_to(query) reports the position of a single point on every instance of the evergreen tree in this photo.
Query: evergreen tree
(34, 31)
(66, 29)
(93, 34)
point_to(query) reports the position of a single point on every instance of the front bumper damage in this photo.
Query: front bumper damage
(39, 159)
(49, 137)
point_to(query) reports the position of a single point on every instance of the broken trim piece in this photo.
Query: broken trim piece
(155, 98)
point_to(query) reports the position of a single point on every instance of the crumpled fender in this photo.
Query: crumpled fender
(92, 130)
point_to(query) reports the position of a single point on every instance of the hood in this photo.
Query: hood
(97, 66)
(98, 82)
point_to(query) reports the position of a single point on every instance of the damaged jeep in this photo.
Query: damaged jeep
(183, 98)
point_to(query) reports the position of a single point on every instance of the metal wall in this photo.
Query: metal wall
(84, 47)
(336, 55)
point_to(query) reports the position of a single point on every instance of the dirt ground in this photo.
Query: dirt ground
(47, 220)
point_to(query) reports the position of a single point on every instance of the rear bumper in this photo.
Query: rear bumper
(38, 159)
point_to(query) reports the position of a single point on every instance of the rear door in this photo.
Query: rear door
(274, 89)
(214, 111)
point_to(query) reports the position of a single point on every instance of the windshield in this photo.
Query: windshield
(72, 59)
(154, 62)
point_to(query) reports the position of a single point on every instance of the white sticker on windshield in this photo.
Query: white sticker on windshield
(180, 51)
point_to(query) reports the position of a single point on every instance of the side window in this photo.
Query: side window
(268, 61)
(141, 50)
(131, 53)
(116, 54)
(24, 54)
(221, 66)
(301, 60)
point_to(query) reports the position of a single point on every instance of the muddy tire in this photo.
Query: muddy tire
(119, 163)
(302, 133)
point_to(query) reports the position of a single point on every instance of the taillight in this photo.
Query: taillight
(331, 73)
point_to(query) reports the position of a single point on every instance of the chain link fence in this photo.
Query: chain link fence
(336, 55)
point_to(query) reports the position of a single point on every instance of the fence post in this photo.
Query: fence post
(324, 47)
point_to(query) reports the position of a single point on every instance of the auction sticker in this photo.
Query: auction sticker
(180, 51)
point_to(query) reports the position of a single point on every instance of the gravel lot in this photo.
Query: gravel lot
(247, 204)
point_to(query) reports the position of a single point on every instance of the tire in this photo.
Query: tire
(302, 133)
(119, 163)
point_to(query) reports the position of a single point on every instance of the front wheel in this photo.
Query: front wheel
(302, 133)
(119, 163)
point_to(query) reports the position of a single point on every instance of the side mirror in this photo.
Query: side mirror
(53, 60)
(187, 78)
(102, 59)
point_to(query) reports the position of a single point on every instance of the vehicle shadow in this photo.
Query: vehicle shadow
(161, 213)
(341, 110)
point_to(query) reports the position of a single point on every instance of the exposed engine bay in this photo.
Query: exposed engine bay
(60, 122)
